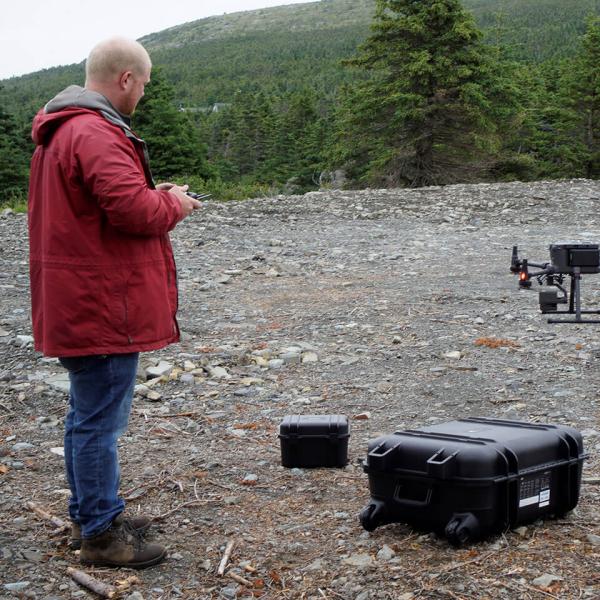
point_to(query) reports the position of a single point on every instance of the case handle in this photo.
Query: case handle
(378, 460)
(441, 468)
(413, 502)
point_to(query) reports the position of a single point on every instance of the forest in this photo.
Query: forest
(381, 92)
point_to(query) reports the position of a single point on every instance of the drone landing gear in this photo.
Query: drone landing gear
(575, 303)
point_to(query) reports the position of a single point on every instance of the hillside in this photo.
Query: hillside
(294, 46)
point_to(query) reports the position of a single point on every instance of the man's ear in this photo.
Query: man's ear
(124, 79)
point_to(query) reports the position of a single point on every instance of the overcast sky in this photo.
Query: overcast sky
(37, 34)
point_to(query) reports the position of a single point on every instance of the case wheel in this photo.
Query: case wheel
(372, 516)
(462, 529)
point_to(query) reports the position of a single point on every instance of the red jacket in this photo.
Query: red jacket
(103, 277)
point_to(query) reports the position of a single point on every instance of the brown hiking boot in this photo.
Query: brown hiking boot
(139, 523)
(120, 546)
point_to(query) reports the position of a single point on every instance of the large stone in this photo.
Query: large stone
(360, 561)
(162, 368)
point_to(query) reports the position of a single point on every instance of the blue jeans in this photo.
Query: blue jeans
(100, 402)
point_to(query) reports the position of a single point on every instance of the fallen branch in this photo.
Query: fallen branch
(190, 503)
(91, 583)
(239, 579)
(43, 514)
(225, 559)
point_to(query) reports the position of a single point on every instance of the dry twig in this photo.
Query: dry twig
(190, 503)
(225, 559)
(91, 583)
(43, 514)
(241, 580)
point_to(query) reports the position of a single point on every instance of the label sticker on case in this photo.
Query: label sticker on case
(545, 498)
(535, 491)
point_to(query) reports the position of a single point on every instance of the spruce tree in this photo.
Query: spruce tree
(584, 98)
(14, 159)
(426, 112)
(173, 142)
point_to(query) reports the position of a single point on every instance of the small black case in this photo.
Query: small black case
(314, 440)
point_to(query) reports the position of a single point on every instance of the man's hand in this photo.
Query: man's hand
(188, 204)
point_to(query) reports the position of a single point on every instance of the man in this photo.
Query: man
(103, 281)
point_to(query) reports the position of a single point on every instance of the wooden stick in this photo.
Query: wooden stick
(170, 512)
(40, 512)
(225, 559)
(98, 587)
(239, 579)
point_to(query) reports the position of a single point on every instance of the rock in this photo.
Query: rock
(162, 368)
(453, 355)
(24, 340)
(251, 478)
(58, 450)
(275, 363)
(386, 553)
(22, 446)
(593, 539)
(521, 531)
(291, 358)
(310, 357)
(206, 565)
(134, 596)
(59, 382)
(231, 591)
(218, 372)
(316, 565)
(32, 556)
(546, 580)
(153, 396)
(360, 561)
(17, 587)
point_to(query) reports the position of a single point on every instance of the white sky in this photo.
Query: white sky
(37, 34)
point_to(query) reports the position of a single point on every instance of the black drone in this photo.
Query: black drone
(570, 259)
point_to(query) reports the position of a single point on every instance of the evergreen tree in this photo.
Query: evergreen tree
(173, 143)
(584, 97)
(14, 158)
(427, 111)
(299, 140)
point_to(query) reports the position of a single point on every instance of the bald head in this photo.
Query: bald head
(119, 69)
(112, 57)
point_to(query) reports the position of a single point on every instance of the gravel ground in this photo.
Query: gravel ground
(366, 304)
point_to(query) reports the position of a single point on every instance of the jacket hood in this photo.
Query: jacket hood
(75, 100)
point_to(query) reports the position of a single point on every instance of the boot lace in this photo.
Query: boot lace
(129, 534)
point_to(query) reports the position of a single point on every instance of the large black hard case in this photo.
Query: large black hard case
(472, 477)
